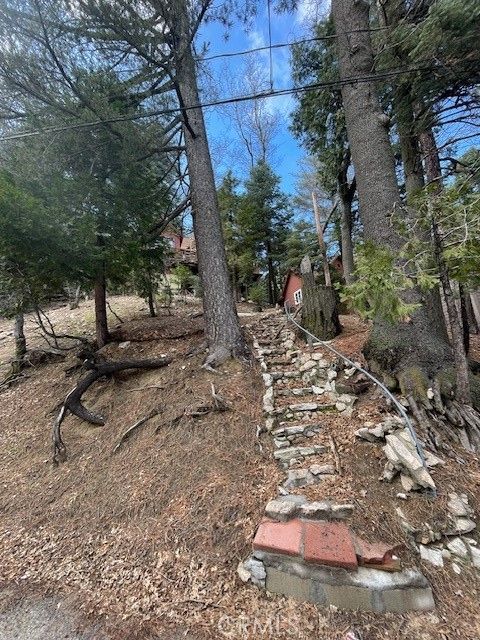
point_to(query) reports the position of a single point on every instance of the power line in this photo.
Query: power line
(280, 45)
(335, 84)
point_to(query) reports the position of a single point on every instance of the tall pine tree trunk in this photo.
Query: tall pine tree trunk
(345, 194)
(101, 320)
(410, 352)
(434, 177)
(20, 342)
(222, 327)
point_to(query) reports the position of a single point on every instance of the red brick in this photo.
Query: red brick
(377, 553)
(279, 537)
(329, 543)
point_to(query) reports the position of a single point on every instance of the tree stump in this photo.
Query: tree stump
(320, 305)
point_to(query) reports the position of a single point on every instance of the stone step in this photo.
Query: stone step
(297, 391)
(303, 407)
(291, 431)
(278, 375)
(298, 453)
(298, 478)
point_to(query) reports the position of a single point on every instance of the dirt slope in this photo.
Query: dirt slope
(145, 543)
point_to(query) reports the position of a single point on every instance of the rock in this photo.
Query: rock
(342, 511)
(457, 569)
(432, 460)
(285, 455)
(340, 406)
(461, 526)
(322, 469)
(409, 459)
(298, 478)
(432, 555)
(475, 554)
(457, 506)
(458, 548)
(407, 483)
(281, 510)
(311, 364)
(270, 424)
(243, 573)
(296, 499)
(316, 510)
(268, 401)
(304, 406)
(256, 570)
(331, 374)
(317, 390)
(365, 434)
(267, 379)
(389, 473)
(402, 496)
(124, 345)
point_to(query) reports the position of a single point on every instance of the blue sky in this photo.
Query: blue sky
(225, 144)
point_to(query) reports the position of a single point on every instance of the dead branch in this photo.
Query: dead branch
(113, 312)
(218, 404)
(50, 333)
(126, 435)
(73, 401)
(333, 447)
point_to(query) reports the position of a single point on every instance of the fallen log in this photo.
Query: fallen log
(73, 401)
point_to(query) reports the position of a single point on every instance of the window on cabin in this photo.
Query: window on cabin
(297, 296)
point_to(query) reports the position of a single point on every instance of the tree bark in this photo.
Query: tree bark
(410, 352)
(20, 342)
(101, 320)
(346, 193)
(222, 327)
(319, 305)
(434, 177)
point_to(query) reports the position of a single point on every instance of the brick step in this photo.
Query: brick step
(326, 563)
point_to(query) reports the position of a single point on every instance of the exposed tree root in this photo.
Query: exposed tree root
(73, 401)
(436, 410)
(126, 435)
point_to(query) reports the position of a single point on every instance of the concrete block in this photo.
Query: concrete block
(287, 584)
(351, 598)
(403, 600)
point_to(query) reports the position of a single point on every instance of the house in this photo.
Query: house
(184, 250)
(292, 289)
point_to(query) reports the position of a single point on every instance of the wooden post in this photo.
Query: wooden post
(321, 241)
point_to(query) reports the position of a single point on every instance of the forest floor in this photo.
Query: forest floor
(144, 543)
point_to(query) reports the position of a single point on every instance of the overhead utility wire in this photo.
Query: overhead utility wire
(280, 45)
(258, 96)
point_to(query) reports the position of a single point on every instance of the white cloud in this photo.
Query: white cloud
(309, 11)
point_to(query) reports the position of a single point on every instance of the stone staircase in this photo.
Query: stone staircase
(306, 549)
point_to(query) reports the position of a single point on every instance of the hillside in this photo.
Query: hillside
(145, 542)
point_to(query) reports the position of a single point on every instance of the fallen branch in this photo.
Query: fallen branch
(333, 447)
(219, 404)
(113, 312)
(149, 386)
(126, 435)
(73, 401)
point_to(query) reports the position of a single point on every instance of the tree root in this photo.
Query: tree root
(438, 413)
(73, 402)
